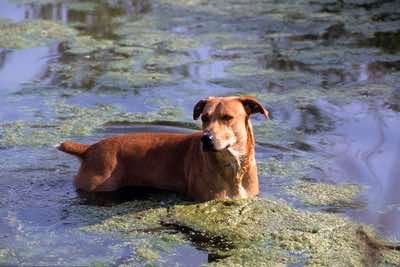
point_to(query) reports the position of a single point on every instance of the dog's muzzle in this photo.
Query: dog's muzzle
(207, 142)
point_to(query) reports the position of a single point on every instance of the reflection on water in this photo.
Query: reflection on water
(18, 67)
(12, 11)
(368, 152)
(388, 41)
(329, 77)
(95, 19)
(13, 73)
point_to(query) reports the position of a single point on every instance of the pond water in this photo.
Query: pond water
(328, 72)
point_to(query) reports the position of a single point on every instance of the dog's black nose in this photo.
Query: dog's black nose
(208, 142)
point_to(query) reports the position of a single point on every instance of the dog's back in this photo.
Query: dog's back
(142, 159)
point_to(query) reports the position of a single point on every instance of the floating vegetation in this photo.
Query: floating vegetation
(82, 6)
(306, 61)
(249, 70)
(71, 120)
(148, 33)
(283, 234)
(299, 96)
(86, 44)
(146, 252)
(6, 255)
(249, 233)
(130, 218)
(320, 194)
(294, 168)
(32, 33)
(274, 132)
(127, 80)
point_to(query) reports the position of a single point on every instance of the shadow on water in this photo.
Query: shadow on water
(389, 42)
(339, 6)
(109, 199)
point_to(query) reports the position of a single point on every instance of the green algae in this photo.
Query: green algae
(126, 80)
(133, 221)
(6, 255)
(299, 96)
(249, 70)
(146, 252)
(254, 255)
(166, 61)
(124, 64)
(72, 120)
(86, 44)
(128, 50)
(274, 132)
(292, 176)
(236, 8)
(317, 238)
(148, 33)
(318, 194)
(138, 223)
(316, 120)
(32, 33)
(248, 73)
(142, 67)
(148, 24)
(78, 75)
(228, 42)
(75, 120)
(294, 168)
(21, 133)
(87, 7)
(146, 39)
(371, 90)
(250, 232)
(132, 217)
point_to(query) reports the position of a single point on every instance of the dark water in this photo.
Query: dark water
(328, 71)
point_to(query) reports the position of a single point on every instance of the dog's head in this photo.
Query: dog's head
(225, 121)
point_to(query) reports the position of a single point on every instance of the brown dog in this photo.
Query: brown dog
(217, 163)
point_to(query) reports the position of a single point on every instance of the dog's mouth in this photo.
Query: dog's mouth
(213, 149)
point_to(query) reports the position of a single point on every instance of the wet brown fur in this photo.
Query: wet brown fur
(177, 162)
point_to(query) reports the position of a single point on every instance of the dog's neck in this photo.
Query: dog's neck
(234, 163)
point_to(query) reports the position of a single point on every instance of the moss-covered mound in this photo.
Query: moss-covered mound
(267, 231)
(253, 232)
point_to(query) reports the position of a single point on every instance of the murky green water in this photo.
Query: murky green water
(328, 71)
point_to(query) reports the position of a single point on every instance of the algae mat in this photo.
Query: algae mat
(84, 70)
(257, 232)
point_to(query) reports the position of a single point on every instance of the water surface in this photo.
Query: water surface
(327, 71)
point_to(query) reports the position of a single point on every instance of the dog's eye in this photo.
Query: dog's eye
(227, 118)
(205, 118)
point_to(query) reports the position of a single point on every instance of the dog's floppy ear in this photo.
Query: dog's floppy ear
(198, 108)
(251, 105)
